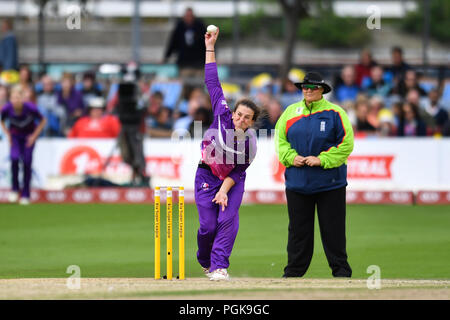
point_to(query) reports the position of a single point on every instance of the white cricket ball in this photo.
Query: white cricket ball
(211, 29)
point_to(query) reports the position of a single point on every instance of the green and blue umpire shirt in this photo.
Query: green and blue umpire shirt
(322, 130)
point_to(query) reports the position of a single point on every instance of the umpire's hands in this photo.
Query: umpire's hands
(312, 161)
(299, 161)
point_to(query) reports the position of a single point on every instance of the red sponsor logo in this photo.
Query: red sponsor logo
(4, 195)
(133, 195)
(351, 196)
(55, 196)
(373, 196)
(165, 167)
(369, 167)
(81, 160)
(109, 195)
(400, 197)
(429, 196)
(35, 195)
(86, 160)
(266, 196)
(82, 196)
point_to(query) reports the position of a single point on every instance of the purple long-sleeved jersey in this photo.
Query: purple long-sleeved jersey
(221, 150)
(22, 124)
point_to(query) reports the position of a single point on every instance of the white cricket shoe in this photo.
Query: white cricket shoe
(13, 196)
(24, 201)
(206, 272)
(219, 274)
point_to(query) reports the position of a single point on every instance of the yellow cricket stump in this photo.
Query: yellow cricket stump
(169, 233)
(157, 233)
(181, 233)
(169, 229)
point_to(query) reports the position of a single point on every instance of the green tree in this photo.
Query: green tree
(439, 20)
(293, 11)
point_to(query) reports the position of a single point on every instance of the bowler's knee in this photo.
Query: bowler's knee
(208, 228)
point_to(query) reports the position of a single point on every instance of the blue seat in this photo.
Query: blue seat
(112, 91)
(427, 86)
(79, 86)
(446, 93)
(366, 82)
(38, 87)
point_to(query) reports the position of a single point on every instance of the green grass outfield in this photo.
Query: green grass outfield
(42, 240)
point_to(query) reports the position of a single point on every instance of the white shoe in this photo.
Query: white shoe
(13, 196)
(219, 274)
(24, 201)
(206, 272)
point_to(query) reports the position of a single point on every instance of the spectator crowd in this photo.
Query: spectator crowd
(385, 101)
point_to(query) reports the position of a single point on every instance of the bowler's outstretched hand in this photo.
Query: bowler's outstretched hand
(221, 199)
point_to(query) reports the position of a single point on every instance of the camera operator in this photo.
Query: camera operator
(131, 115)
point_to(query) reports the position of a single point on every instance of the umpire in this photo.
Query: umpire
(313, 140)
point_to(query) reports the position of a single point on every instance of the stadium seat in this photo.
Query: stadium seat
(428, 83)
(446, 92)
(79, 86)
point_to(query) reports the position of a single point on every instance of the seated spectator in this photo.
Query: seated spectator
(197, 99)
(4, 95)
(435, 109)
(362, 111)
(89, 87)
(263, 99)
(272, 111)
(397, 112)
(386, 123)
(25, 76)
(347, 89)
(362, 69)
(158, 118)
(96, 124)
(26, 81)
(409, 82)
(349, 107)
(4, 98)
(29, 94)
(47, 103)
(263, 82)
(289, 92)
(411, 124)
(375, 105)
(413, 96)
(377, 84)
(71, 100)
(399, 66)
(204, 117)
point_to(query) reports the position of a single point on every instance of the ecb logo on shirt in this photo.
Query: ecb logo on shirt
(322, 126)
(299, 110)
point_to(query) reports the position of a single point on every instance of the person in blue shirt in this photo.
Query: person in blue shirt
(8, 47)
(348, 89)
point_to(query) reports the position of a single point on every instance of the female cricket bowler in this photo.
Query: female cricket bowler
(220, 176)
(18, 120)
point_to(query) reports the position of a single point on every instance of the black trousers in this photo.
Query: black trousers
(131, 144)
(331, 211)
